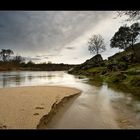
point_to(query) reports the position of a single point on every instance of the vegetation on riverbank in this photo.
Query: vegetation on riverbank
(34, 67)
(8, 63)
(120, 71)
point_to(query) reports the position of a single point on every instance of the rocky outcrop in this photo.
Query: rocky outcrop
(122, 56)
(95, 61)
(116, 66)
(128, 56)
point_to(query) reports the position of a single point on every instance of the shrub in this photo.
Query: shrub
(122, 65)
(135, 81)
(118, 77)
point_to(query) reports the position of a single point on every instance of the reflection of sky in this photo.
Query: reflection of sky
(97, 96)
(15, 79)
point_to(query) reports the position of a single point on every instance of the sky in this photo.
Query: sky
(56, 36)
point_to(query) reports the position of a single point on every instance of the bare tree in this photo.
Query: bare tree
(132, 15)
(5, 54)
(96, 44)
(18, 59)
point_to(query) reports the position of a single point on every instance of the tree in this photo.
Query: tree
(135, 31)
(18, 59)
(125, 37)
(120, 39)
(5, 54)
(49, 62)
(30, 63)
(96, 44)
(132, 15)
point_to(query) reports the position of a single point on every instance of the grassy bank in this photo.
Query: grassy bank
(127, 81)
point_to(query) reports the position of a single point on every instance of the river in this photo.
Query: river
(96, 107)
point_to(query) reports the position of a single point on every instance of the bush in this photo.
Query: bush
(117, 77)
(135, 81)
(117, 65)
(133, 71)
(122, 65)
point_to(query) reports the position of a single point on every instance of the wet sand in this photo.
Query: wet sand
(23, 107)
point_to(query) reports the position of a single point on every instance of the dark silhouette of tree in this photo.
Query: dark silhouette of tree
(49, 62)
(18, 60)
(96, 44)
(120, 39)
(126, 37)
(132, 15)
(135, 31)
(5, 54)
(30, 63)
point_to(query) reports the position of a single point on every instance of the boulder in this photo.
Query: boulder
(95, 61)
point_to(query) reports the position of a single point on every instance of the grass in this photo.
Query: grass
(127, 81)
(96, 69)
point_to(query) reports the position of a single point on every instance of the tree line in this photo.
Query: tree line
(5, 55)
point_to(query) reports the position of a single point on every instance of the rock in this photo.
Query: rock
(95, 61)
(128, 56)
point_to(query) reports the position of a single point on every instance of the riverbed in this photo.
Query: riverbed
(95, 108)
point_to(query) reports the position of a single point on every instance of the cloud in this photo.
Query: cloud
(50, 34)
(75, 58)
(46, 57)
(70, 48)
(49, 55)
(31, 58)
(42, 31)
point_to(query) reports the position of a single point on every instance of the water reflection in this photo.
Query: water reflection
(29, 78)
(8, 80)
(94, 108)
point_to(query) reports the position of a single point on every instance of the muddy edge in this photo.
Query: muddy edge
(55, 107)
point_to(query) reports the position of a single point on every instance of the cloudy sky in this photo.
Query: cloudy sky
(57, 36)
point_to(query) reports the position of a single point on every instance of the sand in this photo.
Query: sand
(23, 107)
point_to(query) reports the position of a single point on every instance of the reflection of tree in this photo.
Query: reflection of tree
(30, 77)
(18, 79)
(50, 75)
(4, 82)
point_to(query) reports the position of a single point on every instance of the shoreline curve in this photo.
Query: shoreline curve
(55, 107)
(23, 107)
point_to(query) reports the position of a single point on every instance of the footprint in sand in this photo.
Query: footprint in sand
(36, 114)
(39, 107)
(2, 126)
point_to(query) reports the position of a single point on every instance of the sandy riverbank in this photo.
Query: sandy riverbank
(23, 107)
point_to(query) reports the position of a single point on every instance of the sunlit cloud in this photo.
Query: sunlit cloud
(53, 35)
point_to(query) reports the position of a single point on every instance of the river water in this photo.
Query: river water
(96, 107)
